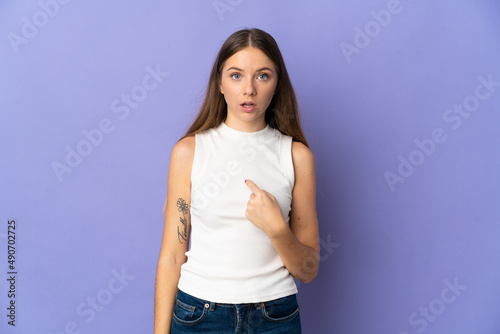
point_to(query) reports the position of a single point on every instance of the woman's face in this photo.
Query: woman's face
(248, 82)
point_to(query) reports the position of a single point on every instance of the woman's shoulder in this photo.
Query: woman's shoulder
(302, 155)
(183, 150)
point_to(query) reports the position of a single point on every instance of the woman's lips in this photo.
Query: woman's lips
(248, 106)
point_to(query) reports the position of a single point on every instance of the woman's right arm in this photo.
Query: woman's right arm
(176, 233)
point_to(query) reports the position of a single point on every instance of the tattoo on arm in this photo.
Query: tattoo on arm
(183, 207)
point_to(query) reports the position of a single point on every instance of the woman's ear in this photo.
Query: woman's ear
(220, 86)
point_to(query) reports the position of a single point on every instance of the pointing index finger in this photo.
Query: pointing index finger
(253, 187)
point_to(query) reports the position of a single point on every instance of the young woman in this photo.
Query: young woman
(241, 191)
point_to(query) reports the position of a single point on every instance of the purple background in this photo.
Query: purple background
(388, 254)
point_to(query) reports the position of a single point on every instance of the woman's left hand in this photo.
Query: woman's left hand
(264, 211)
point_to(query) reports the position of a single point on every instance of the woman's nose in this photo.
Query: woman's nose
(250, 88)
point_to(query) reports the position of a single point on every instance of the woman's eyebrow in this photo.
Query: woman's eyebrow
(239, 69)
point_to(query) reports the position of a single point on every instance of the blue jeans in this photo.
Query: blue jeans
(193, 315)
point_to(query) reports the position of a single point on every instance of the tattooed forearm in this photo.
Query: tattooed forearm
(183, 207)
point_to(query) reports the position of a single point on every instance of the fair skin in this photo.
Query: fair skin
(248, 82)
(172, 253)
(249, 76)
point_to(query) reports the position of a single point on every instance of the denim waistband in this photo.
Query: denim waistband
(213, 305)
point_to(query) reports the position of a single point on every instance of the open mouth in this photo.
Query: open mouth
(247, 104)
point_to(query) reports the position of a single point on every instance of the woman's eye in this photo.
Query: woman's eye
(263, 76)
(236, 76)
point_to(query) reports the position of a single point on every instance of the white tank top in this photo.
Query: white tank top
(230, 260)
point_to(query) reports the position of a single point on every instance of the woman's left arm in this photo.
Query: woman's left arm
(297, 243)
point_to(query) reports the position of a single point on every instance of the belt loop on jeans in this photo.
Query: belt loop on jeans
(211, 305)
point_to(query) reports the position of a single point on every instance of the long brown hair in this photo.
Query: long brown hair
(282, 113)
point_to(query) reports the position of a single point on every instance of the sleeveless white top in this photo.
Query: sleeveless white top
(230, 260)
